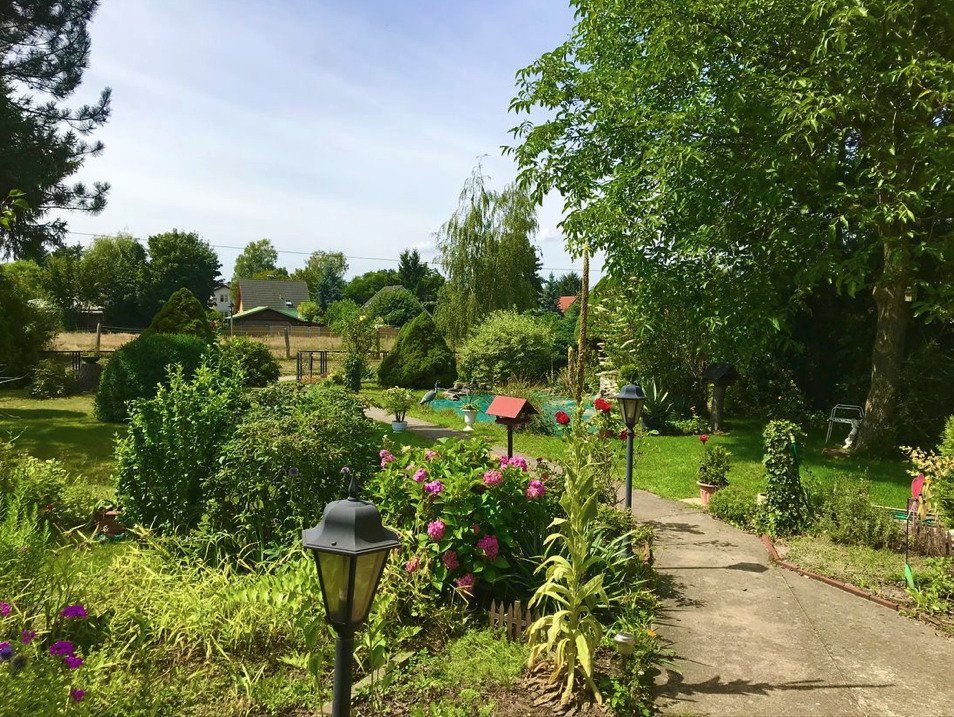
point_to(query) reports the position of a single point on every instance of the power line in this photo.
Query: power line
(297, 252)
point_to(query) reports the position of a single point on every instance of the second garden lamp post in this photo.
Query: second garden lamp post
(630, 399)
(350, 547)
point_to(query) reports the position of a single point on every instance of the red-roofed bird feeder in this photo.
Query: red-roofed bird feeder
(513, 413)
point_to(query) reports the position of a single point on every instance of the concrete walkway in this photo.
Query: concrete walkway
(755, 639)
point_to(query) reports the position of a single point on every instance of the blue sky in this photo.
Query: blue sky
(337, 125)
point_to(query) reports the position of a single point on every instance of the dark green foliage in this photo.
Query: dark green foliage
(420, 357)
(735, 504)
(44, 51)
(173, 447)
(25, 328)
(136, 370)
(353, 372)
(946, 446)
(416, 276)
(364, 286)
(507, 346)
(183, 314)
(848, 517)
(51, 378)
(787, 503)
(927, 393)
(395, 306)
(253, 358)
(282, 466)
(341, 313)
(180, 260)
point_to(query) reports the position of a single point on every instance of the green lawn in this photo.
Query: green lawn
(668, 464)
(62, 428)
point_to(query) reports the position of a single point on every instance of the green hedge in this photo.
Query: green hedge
(420, 357)
(136, 370)
(259, 367)
(508, 346)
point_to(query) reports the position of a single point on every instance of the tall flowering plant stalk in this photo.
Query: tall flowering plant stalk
(473, 520)
(573, 593)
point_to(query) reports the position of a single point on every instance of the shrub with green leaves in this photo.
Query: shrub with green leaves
(25, 328)
(394, 305)
(507, 346)
(253, 358)
(51, 379)
(848, 517)
(397, 401)
(735, 504)
(714, 468)
(786, 507)
(283, 464)
(183, 314)
(420, 357)
(173, 448)
(474, 522)
(138, 368)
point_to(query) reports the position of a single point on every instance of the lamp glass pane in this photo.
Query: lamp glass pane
(629, 407)
(366, 573)
(335, 570)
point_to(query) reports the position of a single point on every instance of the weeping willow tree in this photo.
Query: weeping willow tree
(488, 256)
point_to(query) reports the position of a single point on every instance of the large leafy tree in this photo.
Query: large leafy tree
(44, 50)
(362, 287)
(488, 256)
(414, 274)
(782, 143)
(324, 273)
(180, 260)
(114, 274)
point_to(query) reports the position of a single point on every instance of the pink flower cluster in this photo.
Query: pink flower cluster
(535, 490)
(420, 475)
(449, 558)
(386, 457)
(430, 455)
(413, 564)
(465, 583)
(436, 529)
(492, 478)
(434, 488)
(5, 609)
(515, 462)
(490, 546)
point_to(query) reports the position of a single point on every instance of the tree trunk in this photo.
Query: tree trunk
(584, 312)
(876, 432)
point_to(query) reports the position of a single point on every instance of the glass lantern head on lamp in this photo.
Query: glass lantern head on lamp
(350, 547)
(630, 398)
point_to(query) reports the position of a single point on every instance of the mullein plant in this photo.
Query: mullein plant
(569, 634)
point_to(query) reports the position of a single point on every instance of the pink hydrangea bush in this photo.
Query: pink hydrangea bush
(474, 521)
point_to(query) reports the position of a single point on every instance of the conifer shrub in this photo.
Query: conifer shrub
(183, 314)
(420, 357)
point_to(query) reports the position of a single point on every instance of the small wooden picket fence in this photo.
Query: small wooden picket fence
(514, 620)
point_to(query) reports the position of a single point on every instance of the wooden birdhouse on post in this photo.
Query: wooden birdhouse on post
(720, 375)
(513, 413)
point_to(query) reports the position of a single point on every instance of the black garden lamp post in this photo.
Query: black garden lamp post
(350, 547)
(630, 400)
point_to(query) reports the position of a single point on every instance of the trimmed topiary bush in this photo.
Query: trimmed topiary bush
(183, 314)
(258, 366)
(786, 501)
(136, 370)
(420, 357)
(507, 346)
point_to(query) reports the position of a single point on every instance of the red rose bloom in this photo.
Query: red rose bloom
(703, 438)
(562, 418)
(601, 404)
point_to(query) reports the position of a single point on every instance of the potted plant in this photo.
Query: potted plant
(713, 470)
(397, 401)
(469, 411)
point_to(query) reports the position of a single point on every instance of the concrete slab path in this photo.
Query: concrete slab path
(755, 639)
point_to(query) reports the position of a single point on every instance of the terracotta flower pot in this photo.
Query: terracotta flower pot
(706, 491)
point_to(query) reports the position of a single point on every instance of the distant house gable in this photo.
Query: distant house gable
(273, 293)
(564, 303)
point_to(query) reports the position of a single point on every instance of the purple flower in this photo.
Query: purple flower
(73, 662)
(62, 647)
(435, 529)
(6, 651)
(386, 457)
(450, 561)
(504, 462)
(519, 462)
(26, 636)
(465, 583)
(77, 695)
(430, 455)
(489, 545)
(71, 611)
(535, 490)
(420, 475)
(434, 487)
(492, 478)
(5, 609)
